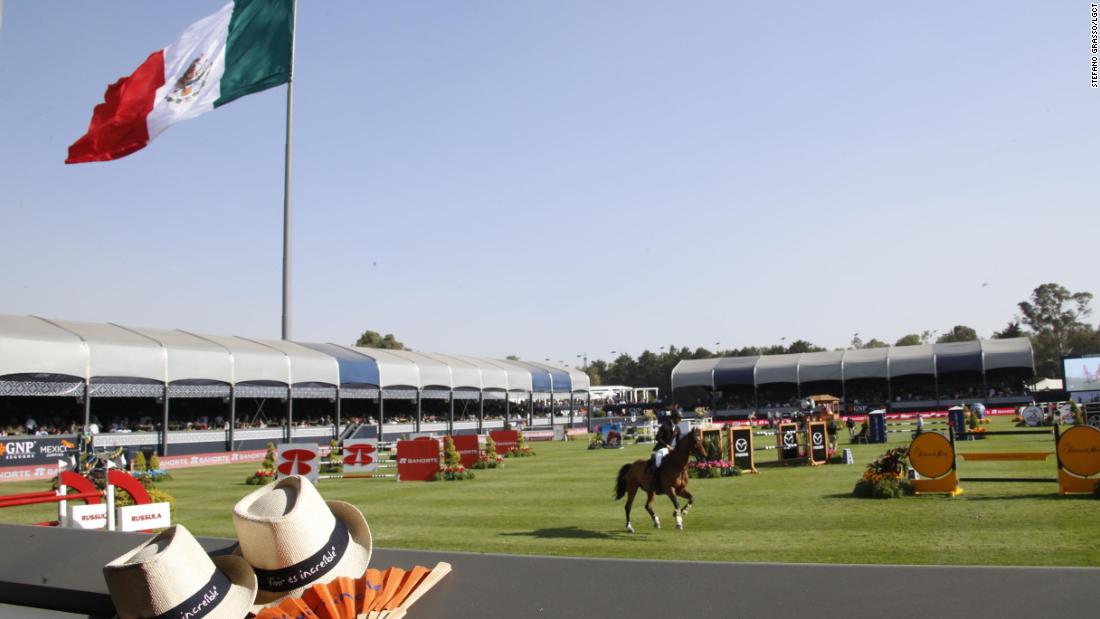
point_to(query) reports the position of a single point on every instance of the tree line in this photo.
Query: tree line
(1053, 318)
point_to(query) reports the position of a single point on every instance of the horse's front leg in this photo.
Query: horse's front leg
(687, 495)
(649, 508)
(676, 508)
(631, 490)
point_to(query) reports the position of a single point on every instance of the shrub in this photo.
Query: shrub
(260, 477)
(452, 464)
(139, 463)
(154, 462)
(884, 477)
(488, 458)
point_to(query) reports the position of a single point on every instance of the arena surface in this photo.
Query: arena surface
(60, 569)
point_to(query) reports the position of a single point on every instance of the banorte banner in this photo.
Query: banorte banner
(467, 447)
(506, 440)
(417, 460)
(360, 456)
(298, 459)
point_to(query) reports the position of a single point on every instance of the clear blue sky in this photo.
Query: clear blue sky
(552, 178)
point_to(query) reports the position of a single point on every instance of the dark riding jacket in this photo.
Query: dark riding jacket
(667, 435)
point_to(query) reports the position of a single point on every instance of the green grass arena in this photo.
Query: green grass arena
(560, 503)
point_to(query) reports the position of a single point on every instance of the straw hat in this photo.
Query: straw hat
(294, 539)
(171, 575)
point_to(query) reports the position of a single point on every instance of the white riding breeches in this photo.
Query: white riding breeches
(660, 455)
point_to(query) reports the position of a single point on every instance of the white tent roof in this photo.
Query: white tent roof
(1009, 353)
(190, 357)
(694, 373)
(34, 346)
(865, 363)
(777, 369)
(252, 361)
(519, 377)
(820, 366)
(116, 352)
(433, 373)
(464, 375)
(905, 360)
(492, 376)
(393, 370)
(306, 365)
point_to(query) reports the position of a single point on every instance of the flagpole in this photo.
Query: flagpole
(286, 176)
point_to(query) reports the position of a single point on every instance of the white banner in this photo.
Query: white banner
(360, 456)
(144, 517)
(298, 459)
(88, 516)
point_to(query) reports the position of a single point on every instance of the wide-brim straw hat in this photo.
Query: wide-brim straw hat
(171, 576)
(295, 539)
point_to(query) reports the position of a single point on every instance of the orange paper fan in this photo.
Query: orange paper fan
(375, 595)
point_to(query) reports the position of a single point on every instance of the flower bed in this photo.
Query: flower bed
(710, 469)
(884, 477)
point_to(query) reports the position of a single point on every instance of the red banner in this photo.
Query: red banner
(506, 440)
(467, 447)
(417, 460)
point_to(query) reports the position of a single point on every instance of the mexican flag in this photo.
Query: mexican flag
(244, 48)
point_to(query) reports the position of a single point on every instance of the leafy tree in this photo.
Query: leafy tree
(876, 343)
(1011, 330)
(908, 340)
(1055, 316)
(958, 333)
(857, 342)
(803, 346)
(372, 339)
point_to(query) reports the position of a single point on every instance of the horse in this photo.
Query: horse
(672, 479)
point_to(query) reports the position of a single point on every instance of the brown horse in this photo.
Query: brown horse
(672, 479)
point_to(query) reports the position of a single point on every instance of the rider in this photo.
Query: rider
(667, 435)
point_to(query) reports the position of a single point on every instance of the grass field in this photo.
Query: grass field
(560, 503)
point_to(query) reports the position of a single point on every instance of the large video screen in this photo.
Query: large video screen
(1081, 373)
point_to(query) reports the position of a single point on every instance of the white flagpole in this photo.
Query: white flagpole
(286, 177)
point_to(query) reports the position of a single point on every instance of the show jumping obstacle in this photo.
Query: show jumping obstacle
(1077, 451)
(86, 491)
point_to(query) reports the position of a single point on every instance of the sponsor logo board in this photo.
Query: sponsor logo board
(505, 440)
(467, 447)
(1079, 450)
(144, 517)
(298, 459)
(417, 460)
(360, 456)
(931, 454)
(88, 516)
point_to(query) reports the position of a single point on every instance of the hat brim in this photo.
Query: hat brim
(354, 562)
(243, 587)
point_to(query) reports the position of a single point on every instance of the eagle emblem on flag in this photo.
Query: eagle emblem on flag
(190, 84)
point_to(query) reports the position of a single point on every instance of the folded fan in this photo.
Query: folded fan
(376, 595)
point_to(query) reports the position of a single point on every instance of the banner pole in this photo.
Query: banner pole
(286, 177)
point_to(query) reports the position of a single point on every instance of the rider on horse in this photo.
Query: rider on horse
(667, 435)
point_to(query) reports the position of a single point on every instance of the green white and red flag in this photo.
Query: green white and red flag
(244, 48)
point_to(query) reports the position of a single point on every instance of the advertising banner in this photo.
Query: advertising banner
(741, 450)
(788, 441)
(467, 447)
(819, 444)
(417, 460)
(360, 456)
(29, 450)
(144, 517)
(612, 435)
(298, 459)
(506, 440)
(88, 516)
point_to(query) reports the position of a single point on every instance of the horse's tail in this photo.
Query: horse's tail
(620, 482)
